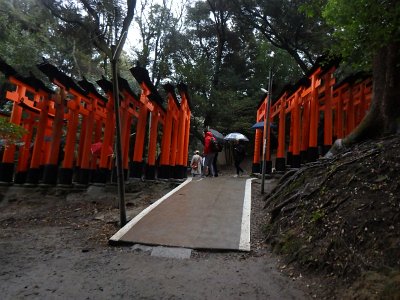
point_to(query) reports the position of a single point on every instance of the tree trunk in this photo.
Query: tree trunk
(383, 115)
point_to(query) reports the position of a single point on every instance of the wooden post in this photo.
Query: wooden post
(109, 129)
(350, 112)
(87, 141)
(34, 171)
(66, 171)
(296, 159)
(328, 113)
(51, 168)
(305, 129)
(137, 164)
(174, 144)
(151, 160)
(165, 170)
(339, 115)
(280, 164)
(314, 116)
(256, 167)
(24, 152)
(179, 164)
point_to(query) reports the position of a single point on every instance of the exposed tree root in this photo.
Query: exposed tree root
(275, 211)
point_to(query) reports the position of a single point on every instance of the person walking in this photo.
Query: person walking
(214, 163)
(208, 154)
(196, 163)
(238, 156)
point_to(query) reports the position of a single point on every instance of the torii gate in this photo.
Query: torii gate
(80, 104)
(102, 117)
(39, 105)
(90, 115)
(169, 138)
(313, 96)
(151, 103)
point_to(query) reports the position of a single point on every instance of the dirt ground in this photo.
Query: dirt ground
(54, 245)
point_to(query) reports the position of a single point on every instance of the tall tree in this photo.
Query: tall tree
(31, 32)
(367, 32)
(104, 23)
(285, 26)
(158, 26)
(225, 64)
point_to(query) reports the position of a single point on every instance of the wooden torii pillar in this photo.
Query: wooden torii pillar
(97, 116)
(103, 173)
(50, 172)
(272, 114)
(157, 117)
(258, 140)
(312, 151)
(295, 113)
(34, 171)
(130, 105)
(165, 169)
(258, 160)
(280, 161)
(24, 152)
(329, 82)
(184, 128)
(149, 98)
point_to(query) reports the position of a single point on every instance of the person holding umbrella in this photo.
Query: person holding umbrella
(238, 156)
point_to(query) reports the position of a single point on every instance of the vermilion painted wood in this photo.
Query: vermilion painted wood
(342, 109)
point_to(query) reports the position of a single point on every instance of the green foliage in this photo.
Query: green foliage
(284, 24)
(317, 216)
(290, 244)
(361, 27)
(30, 32)
(10, 133)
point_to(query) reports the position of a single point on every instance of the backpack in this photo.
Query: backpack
(215, 146)
(195, 165)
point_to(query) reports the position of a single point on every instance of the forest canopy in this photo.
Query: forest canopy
(221, 49)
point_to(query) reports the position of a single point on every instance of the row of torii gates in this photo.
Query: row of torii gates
(70, 133)
(310, 115)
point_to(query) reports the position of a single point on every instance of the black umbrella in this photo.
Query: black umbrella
(218, 136)
(260, 125)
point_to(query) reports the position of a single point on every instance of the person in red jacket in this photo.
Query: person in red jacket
(208, 154)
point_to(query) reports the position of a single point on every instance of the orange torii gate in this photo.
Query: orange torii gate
(169, 140)
(103, 116)
(129, 108)
(151, 104)
(88, 119)
(32, 97)
(175, 140)
(80, 105)
(311, 115)
(352, 96)
(103, 171)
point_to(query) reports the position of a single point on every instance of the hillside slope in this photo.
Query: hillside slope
(339, 219)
